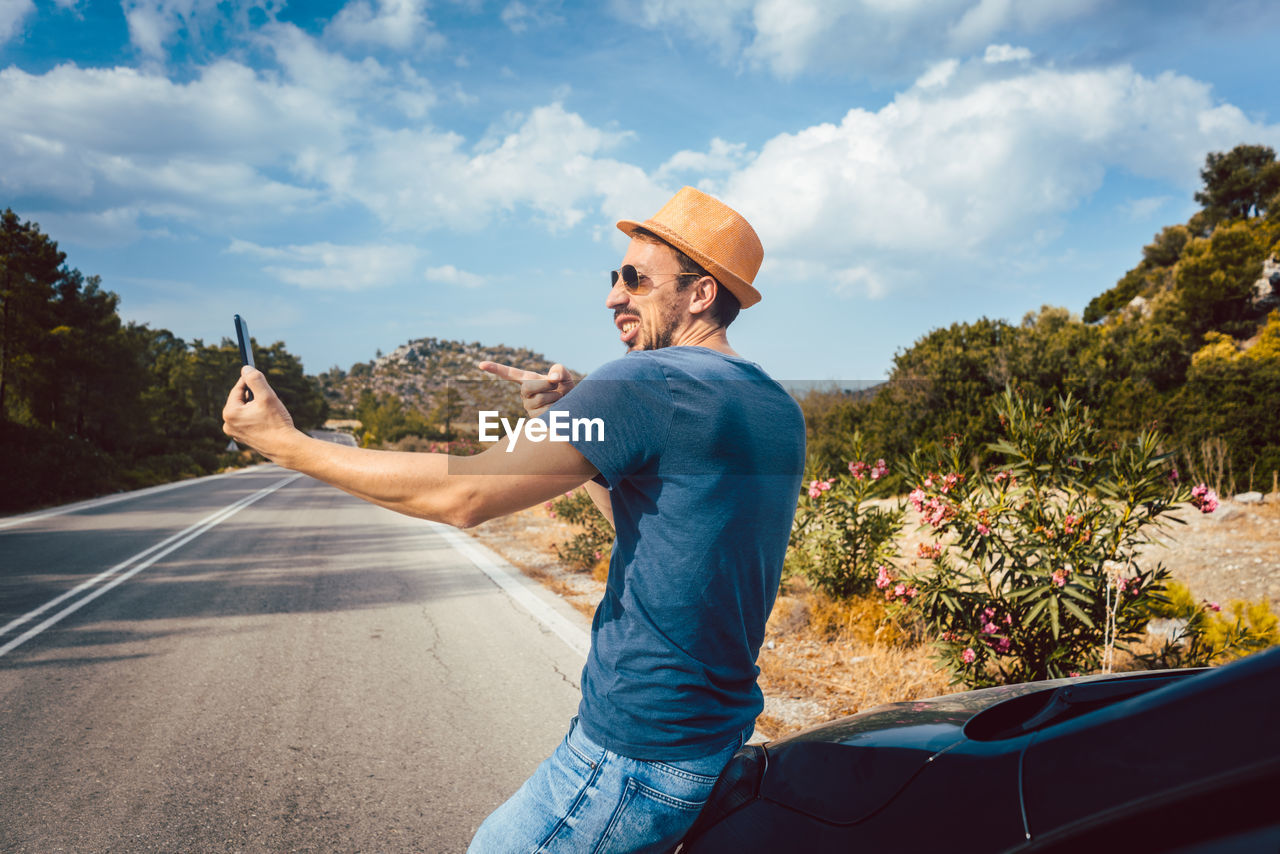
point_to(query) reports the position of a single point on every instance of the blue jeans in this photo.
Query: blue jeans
(585, 799)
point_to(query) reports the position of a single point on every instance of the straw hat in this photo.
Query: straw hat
(711, 233)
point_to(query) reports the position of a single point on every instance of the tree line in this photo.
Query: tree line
(90, 404)
(1188, 342)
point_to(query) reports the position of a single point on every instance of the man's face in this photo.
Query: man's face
(649, 321)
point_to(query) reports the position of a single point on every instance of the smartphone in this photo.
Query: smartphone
(246, 349)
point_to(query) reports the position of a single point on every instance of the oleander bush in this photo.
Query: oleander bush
(1033, 571)
(845, 527)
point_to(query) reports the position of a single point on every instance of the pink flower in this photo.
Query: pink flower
(988, 612)
(547, 505)
(858, 469)
(968, 656)
(990, 629)
(1173, 474)
(817, 487)
(1060, 577)
(1001, 476)
(1008, 619)
(983, 529)
(1002, 645)
(937, 512)
(929, 552)
(899, 589)
(883, 579)
(928, 481)
(1214, 606)
(1073, 673)
(879, 470)
(948, 482)
(911, 592)
(1204, 498)
(917, 499)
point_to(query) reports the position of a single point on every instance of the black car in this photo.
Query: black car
(1159, 761)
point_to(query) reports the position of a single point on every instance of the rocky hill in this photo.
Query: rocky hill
(428, 373)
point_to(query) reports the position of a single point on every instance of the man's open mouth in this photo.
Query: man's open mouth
(629, 327)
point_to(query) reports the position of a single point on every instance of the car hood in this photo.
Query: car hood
(844, 770)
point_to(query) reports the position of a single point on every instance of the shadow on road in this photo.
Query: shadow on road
(265, 563)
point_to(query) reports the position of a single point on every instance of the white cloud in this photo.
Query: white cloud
(451, 275)
(118, 138)
(898, 39)
(975, 168)
(939, 74)
(397, 24)
(860, 280)
(987, 18)
(154, 24)
(520, 16)
(360, 84)
(12, 15)
(235, 145)
(720, 156)
(112, 227)
(327, 266)
(997, 53)
(551, 163)
(722, 23)
(1140, 210)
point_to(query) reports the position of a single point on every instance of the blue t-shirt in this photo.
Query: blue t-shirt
(703, 454)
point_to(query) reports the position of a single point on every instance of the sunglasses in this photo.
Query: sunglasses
(640, 284)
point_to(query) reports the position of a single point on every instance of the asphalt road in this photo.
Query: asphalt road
(304, 673)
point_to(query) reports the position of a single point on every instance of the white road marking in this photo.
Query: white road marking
(498, 570)
(160, 550)
(113, 499)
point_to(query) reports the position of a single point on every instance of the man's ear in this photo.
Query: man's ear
(704, 295)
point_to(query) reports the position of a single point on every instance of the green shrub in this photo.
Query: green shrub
(587, 547)
(1205, 633)
(1033, 573)
(840, 538)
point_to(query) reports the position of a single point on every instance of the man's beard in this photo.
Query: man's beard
(651, 339)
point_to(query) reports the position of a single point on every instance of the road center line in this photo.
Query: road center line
(161, 549)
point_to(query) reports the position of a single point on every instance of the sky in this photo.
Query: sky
(352, 175)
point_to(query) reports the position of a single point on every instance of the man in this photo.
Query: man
(698, 469)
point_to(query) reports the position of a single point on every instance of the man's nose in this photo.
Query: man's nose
(617, 295)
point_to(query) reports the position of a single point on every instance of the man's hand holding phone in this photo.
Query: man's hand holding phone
(254, 415)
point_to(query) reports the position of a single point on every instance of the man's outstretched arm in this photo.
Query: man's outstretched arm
(459, 491)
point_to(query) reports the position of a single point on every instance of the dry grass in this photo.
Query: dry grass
(824, 658)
